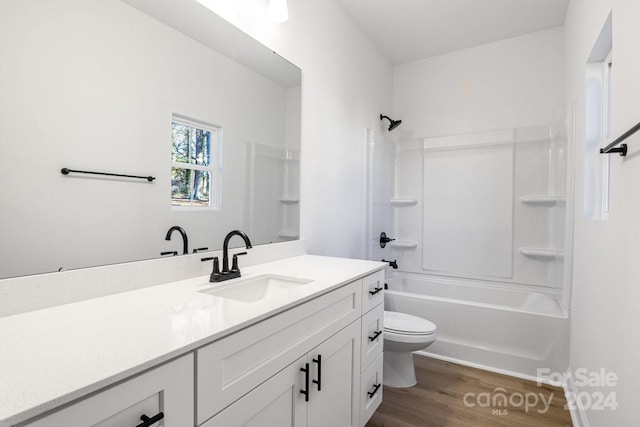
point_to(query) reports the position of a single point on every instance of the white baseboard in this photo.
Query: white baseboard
(489, 368)
(578, 415)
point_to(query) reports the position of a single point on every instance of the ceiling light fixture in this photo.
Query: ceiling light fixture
(278, 11)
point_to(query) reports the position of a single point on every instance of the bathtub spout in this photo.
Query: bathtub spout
(393, 263)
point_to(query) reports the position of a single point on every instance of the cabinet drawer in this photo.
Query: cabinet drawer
(370, 390)
(167, 389)
(372, 290)
(232, 366)
(372, 327)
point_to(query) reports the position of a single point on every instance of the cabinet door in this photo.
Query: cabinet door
(167, 389)
(335, 365)
(277, 402)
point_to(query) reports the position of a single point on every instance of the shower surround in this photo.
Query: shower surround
(480, 227)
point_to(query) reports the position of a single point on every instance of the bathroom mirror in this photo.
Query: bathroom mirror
(94, 86)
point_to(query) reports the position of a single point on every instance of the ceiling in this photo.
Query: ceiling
(407, 30)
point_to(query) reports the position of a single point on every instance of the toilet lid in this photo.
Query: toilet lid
(403, 323)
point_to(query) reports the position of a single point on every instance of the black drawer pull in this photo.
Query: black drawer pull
(147, 422)
(375, 291)
(319, 380)
(375, 390)
(306, 382)
(376, 335)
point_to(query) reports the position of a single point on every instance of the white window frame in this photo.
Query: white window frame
(214, 168)
(607, 68)
(598, 108)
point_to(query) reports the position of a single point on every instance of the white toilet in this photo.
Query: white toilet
(403, 334)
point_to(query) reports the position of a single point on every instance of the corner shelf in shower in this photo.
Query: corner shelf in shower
(289, 200)
(403, 244)
(542, 253)
(404, 201)
(544, 201)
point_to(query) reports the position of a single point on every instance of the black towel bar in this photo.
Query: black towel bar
(66, 171)
(611, 148)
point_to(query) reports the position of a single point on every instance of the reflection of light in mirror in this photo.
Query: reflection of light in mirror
(278, 11)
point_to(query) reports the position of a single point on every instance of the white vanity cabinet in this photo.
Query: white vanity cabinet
(317, 390)
(321, 342)
(231, 367)
(308, 365)
(167, 389)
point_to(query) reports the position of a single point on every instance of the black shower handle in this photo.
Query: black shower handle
(384, 239)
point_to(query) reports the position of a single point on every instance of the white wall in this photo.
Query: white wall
(346, 84)
(606, 284)
(511, 83)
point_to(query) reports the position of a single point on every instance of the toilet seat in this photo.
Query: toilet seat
(406, 324)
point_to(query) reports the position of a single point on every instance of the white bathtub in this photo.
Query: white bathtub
(504, 330)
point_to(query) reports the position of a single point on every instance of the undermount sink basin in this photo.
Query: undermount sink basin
(256, 288)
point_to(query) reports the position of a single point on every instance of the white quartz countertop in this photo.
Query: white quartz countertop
(53, 356)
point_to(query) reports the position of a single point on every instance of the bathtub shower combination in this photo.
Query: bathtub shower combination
(479, 222)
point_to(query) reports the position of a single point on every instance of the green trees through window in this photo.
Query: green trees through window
(194, 148)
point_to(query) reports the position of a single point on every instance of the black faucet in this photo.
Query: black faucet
(393, 263)
(227, 274)
(185, 241)
(215, 273)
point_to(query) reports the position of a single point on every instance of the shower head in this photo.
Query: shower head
(392, 123)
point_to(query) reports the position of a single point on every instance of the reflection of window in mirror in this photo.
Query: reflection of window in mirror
(195, 163)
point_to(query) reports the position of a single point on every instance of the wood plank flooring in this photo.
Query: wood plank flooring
(438, 400)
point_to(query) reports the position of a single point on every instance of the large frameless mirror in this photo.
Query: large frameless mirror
(139, 88)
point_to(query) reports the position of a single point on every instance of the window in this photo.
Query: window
(599, 70)
(195, 163)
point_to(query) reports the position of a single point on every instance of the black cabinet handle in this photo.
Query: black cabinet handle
(376, 335)
(147, 422)
(375, 291)
(306, 382)
(319, 380)
(375, 390)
